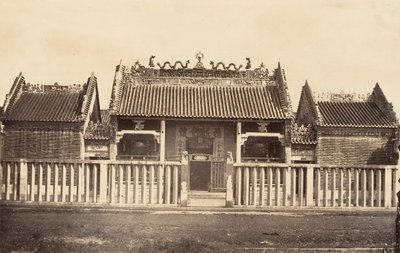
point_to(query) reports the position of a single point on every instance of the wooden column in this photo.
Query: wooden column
(48, 178)
(326, 184)
(103, 182)
(364, 188)
(174, 184)
(168, 184)
(23, 183)
(286, 186)
(1, 179)
(379, 188)
(55, 186)
(136, 186)
(356, 187)
(262, 185)
(277, 186)
(160, 182)
(87, 183)
(246, 186)
(40, 191)
(144, 185)
(128, 184)
(238, 142)
(229, 202)
(340, 203)
(239, 186)
(162, 141)
(71, 183)
(309, 186)
(269, 178)
(371, 188)
(80, 184)
(348, 187)
(8, 181)
(387, 190)
(151, 184)
(318, 187)
(301, 187)
(293, 188)
(333, 187)
(185, 177)
(120, 182)
(95, 166)
(254, 184)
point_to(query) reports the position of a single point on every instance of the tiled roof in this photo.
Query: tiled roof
(52, 106)
(201, 101)
(352, 114)
(105, 116)
(49, 103)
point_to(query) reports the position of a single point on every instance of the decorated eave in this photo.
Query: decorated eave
(223, 91)
(99, 130)
(49, 103)
(303, 135)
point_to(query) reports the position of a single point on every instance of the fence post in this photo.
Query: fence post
(309, 186)
(23, 182)
(229, 180)
(1, 180)
(387, 187)
(103, 183)
(184, 179)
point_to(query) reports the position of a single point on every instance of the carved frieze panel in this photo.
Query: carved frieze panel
(201, 136)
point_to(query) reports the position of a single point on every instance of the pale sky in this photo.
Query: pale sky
(336, 45)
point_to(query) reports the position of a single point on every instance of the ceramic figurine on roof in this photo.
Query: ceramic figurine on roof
(199, 64)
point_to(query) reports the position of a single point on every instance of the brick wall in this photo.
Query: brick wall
(354, 150)
(41, 144)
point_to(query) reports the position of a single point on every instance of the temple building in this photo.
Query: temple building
(207, 134)
(159, 113)
(48, 121)
(349, 129)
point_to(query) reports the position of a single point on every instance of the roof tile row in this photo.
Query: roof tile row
(196, 101)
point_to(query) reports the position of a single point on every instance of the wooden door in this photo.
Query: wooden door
(218, 174)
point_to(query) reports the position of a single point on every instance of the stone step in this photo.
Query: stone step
(206, 195)
(206, 202)
(204, 198)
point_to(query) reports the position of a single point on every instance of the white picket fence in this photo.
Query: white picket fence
(315, 186)
(119, 182)
(160, 183)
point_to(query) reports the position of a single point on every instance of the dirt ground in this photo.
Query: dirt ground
(84, 230)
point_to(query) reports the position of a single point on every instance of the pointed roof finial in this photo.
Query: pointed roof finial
(199, 57)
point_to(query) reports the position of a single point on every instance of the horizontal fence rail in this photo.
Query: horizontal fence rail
(315, 185)
(119, 182)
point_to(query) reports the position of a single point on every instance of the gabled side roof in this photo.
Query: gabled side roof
(50, 103)
(346, 110)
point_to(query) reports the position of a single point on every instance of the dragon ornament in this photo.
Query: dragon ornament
(174, 66)
(215, 67)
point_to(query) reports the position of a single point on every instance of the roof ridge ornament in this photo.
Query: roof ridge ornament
(199, 57)
(248, 65)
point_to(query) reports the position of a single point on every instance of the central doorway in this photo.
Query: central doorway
(200, 173)
(200, 148)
